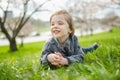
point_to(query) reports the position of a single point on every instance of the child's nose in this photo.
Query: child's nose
(55, 26)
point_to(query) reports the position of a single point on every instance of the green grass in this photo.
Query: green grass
(102, 64)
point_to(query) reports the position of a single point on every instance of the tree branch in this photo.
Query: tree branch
(2, 23)
(5, 13)
(17, 29)
(23, 20)
(4, 30)
(17, 21)
(9, 26)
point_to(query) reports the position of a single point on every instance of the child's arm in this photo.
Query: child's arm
(48, 57)
(45, 52)
(78, 54)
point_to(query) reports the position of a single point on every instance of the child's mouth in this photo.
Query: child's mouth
(56, 31)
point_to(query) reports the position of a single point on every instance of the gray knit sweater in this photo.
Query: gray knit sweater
(71, 50)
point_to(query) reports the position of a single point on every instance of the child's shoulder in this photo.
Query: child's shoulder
(50, 40)
(74, 37)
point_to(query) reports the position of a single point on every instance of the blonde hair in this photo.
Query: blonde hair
(68, 18)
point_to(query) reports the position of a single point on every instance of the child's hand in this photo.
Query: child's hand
(63, 61)
(58, 53)
(54, 59)
(57, 59)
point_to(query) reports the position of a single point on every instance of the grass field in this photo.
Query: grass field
(102, 64)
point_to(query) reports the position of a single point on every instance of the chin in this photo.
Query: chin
(57, 36)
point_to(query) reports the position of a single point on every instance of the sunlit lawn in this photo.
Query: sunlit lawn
(102, 64)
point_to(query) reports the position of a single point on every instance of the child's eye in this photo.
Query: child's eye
(52, 24)
(60, 23)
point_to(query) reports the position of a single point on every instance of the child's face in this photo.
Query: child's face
(59, 27)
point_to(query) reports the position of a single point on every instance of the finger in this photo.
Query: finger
(57, 60)
(57, 56)
(55, 63)
(58, 53)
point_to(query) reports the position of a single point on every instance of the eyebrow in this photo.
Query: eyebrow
(57, 21)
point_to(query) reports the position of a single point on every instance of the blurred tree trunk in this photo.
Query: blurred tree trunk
(12, 33)
(13, 46)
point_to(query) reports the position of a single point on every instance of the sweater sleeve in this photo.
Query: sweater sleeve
(78, 54)
(45, 52)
